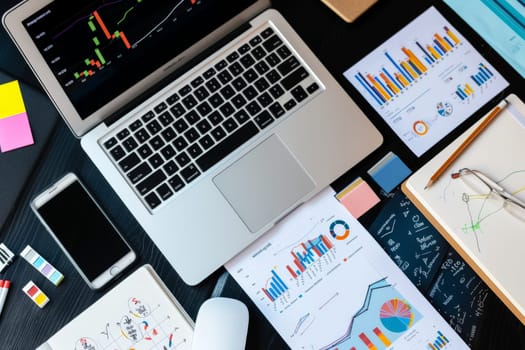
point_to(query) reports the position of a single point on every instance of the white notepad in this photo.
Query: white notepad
(139, 313)
(488, 237)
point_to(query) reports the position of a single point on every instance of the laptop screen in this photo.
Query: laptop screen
(99, 49)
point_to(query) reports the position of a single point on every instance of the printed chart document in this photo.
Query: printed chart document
(426, 80)
(139, 313)
(324, 283)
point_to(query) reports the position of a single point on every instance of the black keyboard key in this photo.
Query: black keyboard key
(142, 135)
(227, 92)
(215, 100)
(168, 134)
(121, 135)
(225, 77)
(191, 135)
(166, 118)
(145, 151)
(110, 143)
(232, 57)
(153, 127)
(161, 107)
(177, 110)
(276, 109)
(258, 53)
(273, 76)
(201, 93)
(221, 150)
(189, 101)
(180, 125)
(203, 126)
(130, 144)
(164, 191)
(218, 133)
(287, 66)
(226, 109)
(265, 99)
(153, 200)
(276, 91)
(185, 90)
(249, 92)
(170, 167)
(168, 152)
(273, 59)
(241, 116)
(139, 173)
(135, 125)
(129, 162)
(238, 101)
(215, 118)
(290, 104)
(256, 40)
(312, 88)
(294, 78)
(194, 150)
(190, 173)
(156, 142)
(239, 83)
(197, 81)
(230, 124)
(247, 61)
(261, 84)
(264, 119)
(299, 93)
(176, 183)
(213, 85)
(148, 116)
(151, 182)
(204, 109)
(221, 65)
(209, 73)
(172, 99)
(272, 43)
(180, 143)
(192, 117)
(243, 49)
(206, 142)
(267, 32)
(155, 161)
(182, 159)
(236, 69)
(253, 108)
(284, 52)
(262, 67)
(250, 75)
(117, 153)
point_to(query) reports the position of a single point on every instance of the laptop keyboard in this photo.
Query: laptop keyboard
(205, 119)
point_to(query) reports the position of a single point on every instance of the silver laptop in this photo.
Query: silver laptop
(210, 119)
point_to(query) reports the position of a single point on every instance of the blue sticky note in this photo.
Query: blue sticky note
(389, 172)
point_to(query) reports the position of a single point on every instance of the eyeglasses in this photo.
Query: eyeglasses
(488, 188)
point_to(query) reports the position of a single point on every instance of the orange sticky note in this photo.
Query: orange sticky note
(358, 197)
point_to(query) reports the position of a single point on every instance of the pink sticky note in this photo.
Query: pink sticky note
(358, 198)
(15, 132)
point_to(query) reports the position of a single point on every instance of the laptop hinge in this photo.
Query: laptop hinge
(177, 73)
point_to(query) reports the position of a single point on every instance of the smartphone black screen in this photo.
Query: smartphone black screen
(83, 230)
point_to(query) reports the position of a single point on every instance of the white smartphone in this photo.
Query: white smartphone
(83, 231)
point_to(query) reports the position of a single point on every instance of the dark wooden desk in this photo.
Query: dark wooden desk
(24, 326)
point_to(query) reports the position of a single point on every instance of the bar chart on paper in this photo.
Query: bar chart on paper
(324, 283)
(425, 66)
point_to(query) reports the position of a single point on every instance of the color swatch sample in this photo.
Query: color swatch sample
(41, 264)
(15, 131)
(358, 197)
(38, 297)
(389, 172)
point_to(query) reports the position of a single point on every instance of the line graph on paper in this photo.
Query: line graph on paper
(481, 211)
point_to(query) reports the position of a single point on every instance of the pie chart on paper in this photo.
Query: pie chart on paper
(396, 315)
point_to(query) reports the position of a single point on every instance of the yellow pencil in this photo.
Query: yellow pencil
(492, 115)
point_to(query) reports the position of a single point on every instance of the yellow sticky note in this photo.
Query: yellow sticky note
(11, 101)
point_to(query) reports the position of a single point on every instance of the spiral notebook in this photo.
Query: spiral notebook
(488, 235)
(139, 313)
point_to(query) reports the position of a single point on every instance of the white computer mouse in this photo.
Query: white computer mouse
(221, 324)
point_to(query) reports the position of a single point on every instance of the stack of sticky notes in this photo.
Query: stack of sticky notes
(15, 131)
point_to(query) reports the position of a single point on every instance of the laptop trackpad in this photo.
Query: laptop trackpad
(264, 183)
